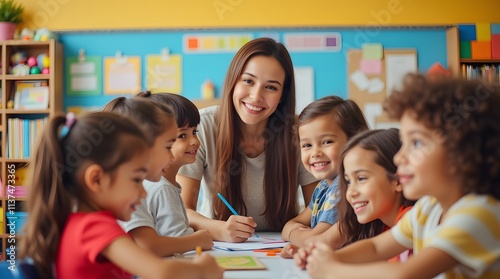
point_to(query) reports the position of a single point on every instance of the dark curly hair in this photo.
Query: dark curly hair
(467, 114)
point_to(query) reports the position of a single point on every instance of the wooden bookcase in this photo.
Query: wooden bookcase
(456, 64)
(9, 164)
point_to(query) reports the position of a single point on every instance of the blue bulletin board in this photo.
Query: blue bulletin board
(329, 65)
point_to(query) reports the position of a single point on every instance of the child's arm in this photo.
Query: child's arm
(235, 229)
(135, 260)
(164, 246)
(301, 221)
(298, 229)
(372, 253)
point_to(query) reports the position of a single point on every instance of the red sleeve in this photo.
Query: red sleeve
(98, 231)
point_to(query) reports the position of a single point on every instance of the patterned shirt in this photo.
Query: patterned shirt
(323, 201)
(469, 232)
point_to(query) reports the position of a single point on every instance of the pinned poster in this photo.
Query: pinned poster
(397, 66)
(122, 74)
(84, 75)
(304, 87)
(164, 72)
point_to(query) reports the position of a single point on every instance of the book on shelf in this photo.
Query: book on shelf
(22, 136)
(488, 72)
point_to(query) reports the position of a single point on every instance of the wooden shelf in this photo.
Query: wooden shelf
(487, 61)
(28, 77)
(14, 161)
(54, 81)
(34, 111)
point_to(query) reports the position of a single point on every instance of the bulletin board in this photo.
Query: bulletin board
(323, 69)
(371, 102)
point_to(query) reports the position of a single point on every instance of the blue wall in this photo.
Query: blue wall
(330, 76)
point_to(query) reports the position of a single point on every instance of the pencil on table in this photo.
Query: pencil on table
(198, 250)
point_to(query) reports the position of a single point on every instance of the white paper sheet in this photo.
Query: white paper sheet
(397, 66)
(253, 243)
(360, 80)
(304, 87)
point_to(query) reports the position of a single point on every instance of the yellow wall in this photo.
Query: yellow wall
(128, 14)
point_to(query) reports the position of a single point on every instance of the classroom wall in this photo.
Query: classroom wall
(113, 14)
(330, 68)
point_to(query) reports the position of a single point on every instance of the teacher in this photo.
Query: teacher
(249, 152)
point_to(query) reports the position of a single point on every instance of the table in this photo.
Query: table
(277, 267)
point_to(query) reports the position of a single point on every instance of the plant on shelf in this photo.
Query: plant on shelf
(10, 15)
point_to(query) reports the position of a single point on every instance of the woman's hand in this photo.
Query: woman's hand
(238, 228)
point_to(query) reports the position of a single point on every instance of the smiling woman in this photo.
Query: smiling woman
(248, 151)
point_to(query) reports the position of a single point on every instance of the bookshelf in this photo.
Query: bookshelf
(24, 122)
(478, 48)
(487, 69)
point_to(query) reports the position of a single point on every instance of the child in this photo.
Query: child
(160, 223)
(157, 121)
(371, 195)
(324, 127)
(86, 174)
(449, 160)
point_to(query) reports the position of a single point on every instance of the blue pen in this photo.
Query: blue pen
(221, 197)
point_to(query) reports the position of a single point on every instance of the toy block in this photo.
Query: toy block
(495, 46)
(481, 50)
(465, 51)
(467, 32)
(495, 28)
(483, 32)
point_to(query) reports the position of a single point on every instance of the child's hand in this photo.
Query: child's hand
(300, 257)
(320, 261)
(210, 268)
(289, 251)
(203, 239)
(238, 228)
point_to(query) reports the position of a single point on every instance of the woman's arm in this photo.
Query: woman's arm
(235, 229)
(126, 254)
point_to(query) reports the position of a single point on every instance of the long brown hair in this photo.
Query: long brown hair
(280, 178)
(56, 178)
(384, 144)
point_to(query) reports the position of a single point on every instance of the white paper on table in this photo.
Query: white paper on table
(253, 243)
(396, 67)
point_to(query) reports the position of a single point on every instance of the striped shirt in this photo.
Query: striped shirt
(469, 232)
